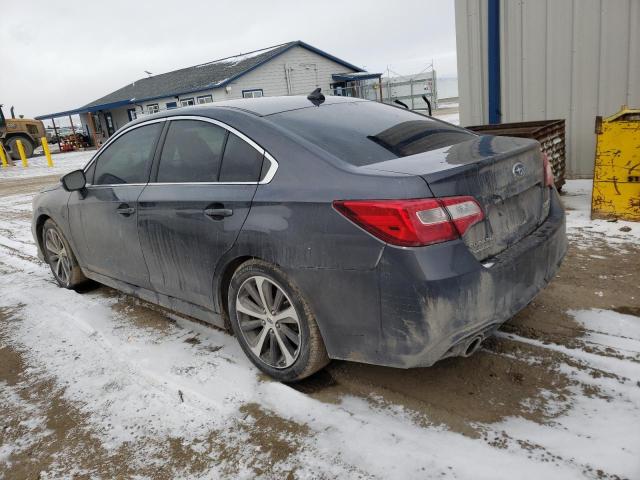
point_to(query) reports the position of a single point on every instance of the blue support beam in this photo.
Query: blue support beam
(493, 55)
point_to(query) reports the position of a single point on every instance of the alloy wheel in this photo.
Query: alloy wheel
(268, 321)
(58, 256)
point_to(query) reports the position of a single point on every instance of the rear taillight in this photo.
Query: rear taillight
(413, 223)
(548, 173)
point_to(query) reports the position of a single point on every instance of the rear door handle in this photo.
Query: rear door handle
(125, 210)
(218, 213)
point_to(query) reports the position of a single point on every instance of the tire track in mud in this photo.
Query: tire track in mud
(221, 447)
(268, 432)
(49, 436)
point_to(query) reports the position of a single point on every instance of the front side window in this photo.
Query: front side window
(186, 102)
(255, 93)
(241, 162)
(126, 159)
(205, 99)
(191, 153)
(153, 108)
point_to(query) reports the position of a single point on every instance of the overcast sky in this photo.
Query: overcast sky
(62, 55)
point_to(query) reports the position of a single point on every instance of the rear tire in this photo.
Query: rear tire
(60, 257)
(276, 328)
(12, 143)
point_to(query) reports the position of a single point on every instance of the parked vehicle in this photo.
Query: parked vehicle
(27, 130)
(342, 228)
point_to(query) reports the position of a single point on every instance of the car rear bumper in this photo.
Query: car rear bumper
(435, 299)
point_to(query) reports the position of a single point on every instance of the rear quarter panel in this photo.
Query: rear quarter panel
(333, 262)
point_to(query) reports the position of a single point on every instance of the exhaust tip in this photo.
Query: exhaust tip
(472, 347)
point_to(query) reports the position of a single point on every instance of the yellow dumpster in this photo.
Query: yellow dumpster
(616, 173)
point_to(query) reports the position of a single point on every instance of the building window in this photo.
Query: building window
(255, 93)
(187, 102)
(171, 105)
(205, 99)
(153, 108)
(132, 114)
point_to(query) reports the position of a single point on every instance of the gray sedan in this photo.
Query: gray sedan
(313, 229)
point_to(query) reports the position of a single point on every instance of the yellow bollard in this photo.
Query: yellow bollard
(45, 147)
(3, 157)
(23, 156)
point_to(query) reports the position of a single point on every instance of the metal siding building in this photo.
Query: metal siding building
(570, 59)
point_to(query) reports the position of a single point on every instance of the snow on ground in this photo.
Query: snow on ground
(582, 230)
(135, 381)
(62, 163)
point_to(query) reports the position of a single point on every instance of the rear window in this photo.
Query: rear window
(362, 133)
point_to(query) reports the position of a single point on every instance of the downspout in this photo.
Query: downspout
(493, 57)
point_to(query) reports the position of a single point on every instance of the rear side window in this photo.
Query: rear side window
(241, 162)
(362, 133)
(192, 152)
(127, 158)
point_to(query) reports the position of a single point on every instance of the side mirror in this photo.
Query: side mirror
(74, 181)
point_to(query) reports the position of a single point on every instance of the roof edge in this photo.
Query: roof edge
(76, 111)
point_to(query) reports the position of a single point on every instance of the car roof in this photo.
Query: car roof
(260, 107)
(264, 106)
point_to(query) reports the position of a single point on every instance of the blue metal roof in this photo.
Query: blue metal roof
(198, 78)
(91, 109)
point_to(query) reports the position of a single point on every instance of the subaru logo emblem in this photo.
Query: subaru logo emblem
(519, 170)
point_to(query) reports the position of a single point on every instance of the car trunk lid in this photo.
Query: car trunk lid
(505, 175)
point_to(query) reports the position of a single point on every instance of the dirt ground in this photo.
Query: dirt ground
(462, 395)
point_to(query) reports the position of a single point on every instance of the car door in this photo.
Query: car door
(192, 211)
(104, 217)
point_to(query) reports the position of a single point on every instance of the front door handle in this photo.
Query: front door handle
(218, 213)
(125, 210)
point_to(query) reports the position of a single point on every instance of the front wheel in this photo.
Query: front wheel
(274, 324)
(13, 146)
(60, 257)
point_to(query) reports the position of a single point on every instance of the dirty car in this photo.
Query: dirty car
(313, 229)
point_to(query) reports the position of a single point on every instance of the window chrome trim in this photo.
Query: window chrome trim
(273, 163)
(111, 185)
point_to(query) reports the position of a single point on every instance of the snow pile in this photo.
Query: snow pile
(584, 231)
